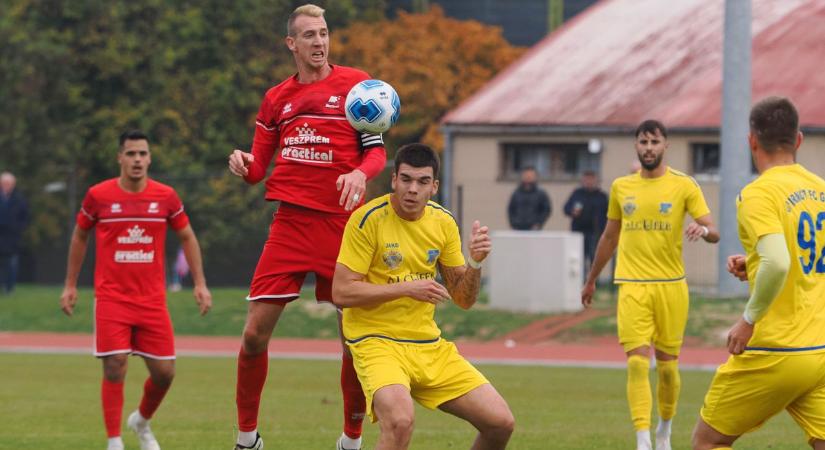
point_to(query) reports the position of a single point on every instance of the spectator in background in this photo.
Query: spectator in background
(14, 216)
(179, 271)
(587, 210)
(529, 206)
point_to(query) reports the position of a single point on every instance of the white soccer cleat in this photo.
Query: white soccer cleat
(258, 445)
(340, 446)
(663, 443)
(144, 433)
(115, 446)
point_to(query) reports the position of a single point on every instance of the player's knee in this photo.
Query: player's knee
(163, 378)
(114, 369)
(254, 342)
(502, 425)
(399, 426)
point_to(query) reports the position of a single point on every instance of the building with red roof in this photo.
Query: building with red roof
(572, 102)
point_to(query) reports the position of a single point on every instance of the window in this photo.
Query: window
(707, 158)
(561, 161)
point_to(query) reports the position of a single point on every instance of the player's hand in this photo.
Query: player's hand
(739, 336)
(737, 267)
(587, 294)
(203, 298)
(68, 299)
(694, 232)
(239, 162)
(352, 185)
(429, 291)
(480, 244)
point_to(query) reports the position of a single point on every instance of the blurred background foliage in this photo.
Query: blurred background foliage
(192, 74)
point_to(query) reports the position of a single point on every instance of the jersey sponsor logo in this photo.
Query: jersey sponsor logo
(647, 225)
(307, 155)
(432, 255)
(116, 208)
(665, 208)
(333, 102)
(287, 108)
(153, 208)
(306, 135)
(134, 256)
(412, 276)
(135, 237)
(392, 258)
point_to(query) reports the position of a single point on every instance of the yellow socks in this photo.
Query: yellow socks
(668, 387)
(638, 391)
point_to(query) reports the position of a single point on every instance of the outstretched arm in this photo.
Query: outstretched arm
(604, 251)
(77, 252)
(192, 251)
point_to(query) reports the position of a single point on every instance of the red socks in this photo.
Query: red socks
(152, 396)
(354, 402)
(252, 371)
(111, 395)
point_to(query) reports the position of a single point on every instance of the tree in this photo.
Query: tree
(434, 63)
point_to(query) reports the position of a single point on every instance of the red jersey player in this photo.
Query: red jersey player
(321, 168)
(131, 213)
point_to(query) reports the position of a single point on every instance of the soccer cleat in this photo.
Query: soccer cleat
(144, 433)
(258, 445)
(340, 446)
(663, 443)
(115, 446)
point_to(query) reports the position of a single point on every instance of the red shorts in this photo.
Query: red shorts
(126, 327)
(300, 240)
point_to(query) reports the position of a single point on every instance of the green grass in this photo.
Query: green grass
(52, 402)
(36, 308)
(709, 319)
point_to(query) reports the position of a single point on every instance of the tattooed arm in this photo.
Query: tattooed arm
(464, 282)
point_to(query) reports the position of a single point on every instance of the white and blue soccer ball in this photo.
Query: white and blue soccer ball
(372, 106)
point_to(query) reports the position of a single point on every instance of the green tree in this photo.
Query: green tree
(434, 63)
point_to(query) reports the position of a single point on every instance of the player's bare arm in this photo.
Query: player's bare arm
(604, 251)
(77, 252)
(702, 228)
(464, 282)
(352, 185)
(192, 251)
(239, 162)
(349, 290)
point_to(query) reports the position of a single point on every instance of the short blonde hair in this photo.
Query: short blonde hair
(305, 10)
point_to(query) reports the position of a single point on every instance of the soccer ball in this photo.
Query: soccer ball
(372, 106)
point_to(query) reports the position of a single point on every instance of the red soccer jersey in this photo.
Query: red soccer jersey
(304, 127)
(130, 235)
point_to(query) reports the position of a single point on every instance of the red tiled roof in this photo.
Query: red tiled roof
(623, 61)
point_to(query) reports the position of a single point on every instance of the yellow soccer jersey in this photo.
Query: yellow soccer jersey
(388, 249)
(788, 200)
(652, 212)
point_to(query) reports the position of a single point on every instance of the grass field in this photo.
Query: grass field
(51, 402)
(36, 308)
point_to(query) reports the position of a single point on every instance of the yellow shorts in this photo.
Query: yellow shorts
(434, 373)
(750, 388)
(653, 313)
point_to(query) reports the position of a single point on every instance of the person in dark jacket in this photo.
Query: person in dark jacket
(14, 216)
(529, 205)
(587, 210)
